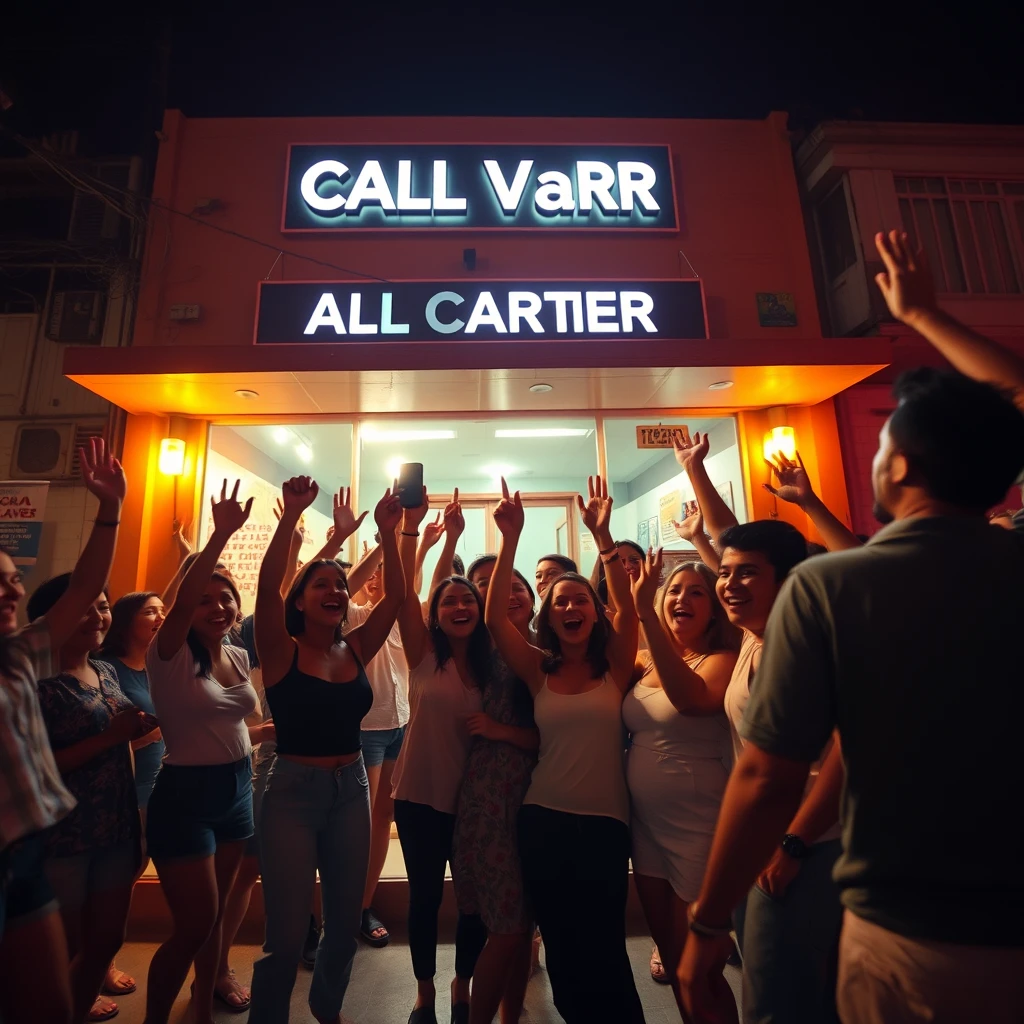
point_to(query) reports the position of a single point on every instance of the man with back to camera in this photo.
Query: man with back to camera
(908, 646)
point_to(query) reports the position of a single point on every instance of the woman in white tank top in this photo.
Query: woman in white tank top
(574, 822)
(676, 769)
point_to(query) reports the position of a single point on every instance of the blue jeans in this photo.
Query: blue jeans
(790, 946)
(312, 819)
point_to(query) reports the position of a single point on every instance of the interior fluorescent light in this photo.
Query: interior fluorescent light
(545, 432)
(397, 436)
(281, 434)
(304, 452)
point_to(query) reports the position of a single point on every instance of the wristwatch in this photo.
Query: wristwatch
(793, 846)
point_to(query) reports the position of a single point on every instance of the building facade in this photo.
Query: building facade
(958, 192)
(518, 297)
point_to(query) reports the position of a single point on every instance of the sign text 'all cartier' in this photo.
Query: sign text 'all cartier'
(472, 187)
(303, 312)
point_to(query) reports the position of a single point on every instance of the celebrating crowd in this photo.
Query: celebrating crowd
(810, 757)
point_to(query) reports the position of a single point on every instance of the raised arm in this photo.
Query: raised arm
(415, 638)
(228, 516)
(430, 534)
(454, 525)
(183, 550)
(103, 477)
(690, 454)
(294, 548)
(368, 638)
(909, 292)
(596, 513)
(365, 568)
(691, 693)
(692, 529)
(274, 646)
(795, 487)
(521, 656)
(345, 524)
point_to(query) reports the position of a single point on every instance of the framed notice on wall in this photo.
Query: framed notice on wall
(669, 507)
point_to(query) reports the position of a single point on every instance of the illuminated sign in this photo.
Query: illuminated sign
(412, 188)
(296, 312)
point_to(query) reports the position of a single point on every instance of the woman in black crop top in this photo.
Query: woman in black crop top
(316, 808)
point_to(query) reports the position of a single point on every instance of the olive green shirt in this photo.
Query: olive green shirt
(911, 645)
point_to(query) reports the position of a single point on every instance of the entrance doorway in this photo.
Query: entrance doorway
(552, 527)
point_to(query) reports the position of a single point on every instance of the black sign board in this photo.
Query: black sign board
(302, 312)
(465, 188)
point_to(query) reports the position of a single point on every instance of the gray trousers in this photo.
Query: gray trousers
(313, 819)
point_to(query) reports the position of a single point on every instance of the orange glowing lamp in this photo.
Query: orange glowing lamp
(172, 456)
(782, 441)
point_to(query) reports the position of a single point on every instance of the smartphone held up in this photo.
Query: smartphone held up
(410, 485)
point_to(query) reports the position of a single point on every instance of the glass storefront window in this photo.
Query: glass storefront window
(548, 459)
(649, 486)
(263, 457)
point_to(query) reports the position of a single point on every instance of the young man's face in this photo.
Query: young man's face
(747, 588)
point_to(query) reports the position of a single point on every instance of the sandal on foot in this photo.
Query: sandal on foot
(102, 1009)
(372, 923)
(658, 972)
(117, 983)
(423, 1015)
(223, 990)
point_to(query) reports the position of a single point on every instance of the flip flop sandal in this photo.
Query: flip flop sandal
(96, 1014)
(121, 984)
(230, 1006)
(371, 923)
(658, 972)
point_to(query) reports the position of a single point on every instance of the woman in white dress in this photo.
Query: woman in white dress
(677, 764)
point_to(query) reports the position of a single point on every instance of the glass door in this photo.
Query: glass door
(552, 527)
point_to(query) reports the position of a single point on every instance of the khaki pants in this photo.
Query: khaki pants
(885, 978)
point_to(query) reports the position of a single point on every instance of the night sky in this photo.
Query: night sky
(98, 67)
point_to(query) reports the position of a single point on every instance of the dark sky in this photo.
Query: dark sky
(97, 67)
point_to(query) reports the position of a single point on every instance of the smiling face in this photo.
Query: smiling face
(547, 573)
(11, 592)
(632, 560)
(92, 629)
(324, 597)
(458, 611)
(572, 612)
(374, 587)
(482, 577)
(146, 621)
(217, 612)
(747, 588)
(520, 604)
(687, 607)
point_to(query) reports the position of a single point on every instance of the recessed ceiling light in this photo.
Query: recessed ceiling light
(374, 435)
(720, 385)
(541, 389)
(247, 394)
(545, 432)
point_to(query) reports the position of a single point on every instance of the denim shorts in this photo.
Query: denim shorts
(380, 745)
(195, 807)
(25, 891)
(112, 867)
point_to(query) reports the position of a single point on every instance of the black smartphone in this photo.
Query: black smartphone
(410, 485)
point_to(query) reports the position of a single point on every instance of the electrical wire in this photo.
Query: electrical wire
(79, 180)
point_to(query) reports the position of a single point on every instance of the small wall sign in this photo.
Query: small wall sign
(776, 309)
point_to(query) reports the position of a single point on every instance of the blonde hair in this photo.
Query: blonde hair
(721, 634)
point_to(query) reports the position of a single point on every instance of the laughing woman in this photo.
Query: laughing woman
(449, 660)
(316, 807)
(676, 766)
(574, 823)
(200, 812)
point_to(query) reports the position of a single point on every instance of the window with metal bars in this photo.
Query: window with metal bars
(972, 231)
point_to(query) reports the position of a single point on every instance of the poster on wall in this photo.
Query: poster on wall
(669, 507)
(652, 531)
(725, 490)
(243, 554)
(643, 534)
(776, 309)
(22, 508)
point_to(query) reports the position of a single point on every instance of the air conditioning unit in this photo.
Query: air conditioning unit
(49, 451)
(76, 317)
(93, 221)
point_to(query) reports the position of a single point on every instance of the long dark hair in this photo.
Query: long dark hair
(294, 619)
(6, 665)
(195, 645)
(122, 615)
(597, 645)
(478, 652)
(598, 579)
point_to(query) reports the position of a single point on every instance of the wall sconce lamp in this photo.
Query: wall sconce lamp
(172, 456)
(781, 440)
